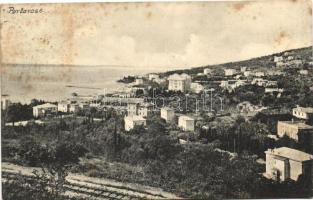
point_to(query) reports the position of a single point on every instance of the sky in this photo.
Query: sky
(153, 35)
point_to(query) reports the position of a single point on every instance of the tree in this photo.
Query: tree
(74, 94)
(35, 102)
(17, 112)
(139, 93)
(55, 160)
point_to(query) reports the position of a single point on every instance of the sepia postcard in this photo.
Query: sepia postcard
(157, 100)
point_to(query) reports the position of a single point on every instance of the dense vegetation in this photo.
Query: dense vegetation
(127, 79)
(54, 158)
(192, 170)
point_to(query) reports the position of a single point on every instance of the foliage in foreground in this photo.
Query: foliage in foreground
(193, 170)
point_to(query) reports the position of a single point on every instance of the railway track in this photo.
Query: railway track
(90, 188)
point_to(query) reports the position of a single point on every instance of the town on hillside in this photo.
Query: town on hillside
(233, 130)
(146, 100)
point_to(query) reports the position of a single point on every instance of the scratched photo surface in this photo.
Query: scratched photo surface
(157, 100)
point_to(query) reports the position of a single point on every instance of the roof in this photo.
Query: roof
(167, 108)
(146, 104)
(63, 102)
(132, 103)
(299, 125)
(185, 75)
(229, 69)
(46, 105)
(184, 117)
(135, 118)
(303, 109)
(290, 153)
(195, 84)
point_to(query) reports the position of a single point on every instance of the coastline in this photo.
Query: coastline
(48, 82)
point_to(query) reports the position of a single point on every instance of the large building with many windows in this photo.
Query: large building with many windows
(132, 109)
(142, 109)
(178, 82)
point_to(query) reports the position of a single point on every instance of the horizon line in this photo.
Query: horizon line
(132, 66)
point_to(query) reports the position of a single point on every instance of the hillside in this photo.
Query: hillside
(264, 62)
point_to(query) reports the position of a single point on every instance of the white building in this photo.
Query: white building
(179, 82)
(290, 58)
(302, 112)
(259, 74)
(259, 82)
(159, 80)
(5, 103)
(132, 121)
(44, 110)
(153, 76)
(274, 72)
(304, 72)
(224, 84)
(207, 71)
(243, 69)
(63, 106)
(271, 90)
(186, 123)
(295, 62)
(238, 76)
(297, 131)
(278, 59)
(73, 108)
(132, 109)
(286, 163)
(168, 114)
(280, 64)
(83, 106)
(271, 83)
(247, 73)
(196, 87)
(239, 83)
(139, 81)
(229, 72)
(288, 53)
(247, 107)
(94, 105)
(145, 109)
(124, 94)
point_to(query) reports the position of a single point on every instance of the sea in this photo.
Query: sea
(21, 83)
